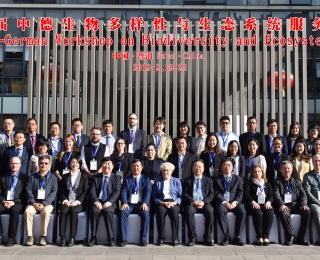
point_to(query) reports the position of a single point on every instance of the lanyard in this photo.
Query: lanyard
(226, 185)
(132, 135)
(13, 182)
(135, 185)
(224, 140)
(250, 162)
(55, 148)
(120, 162)
(78, 138)
(66, 161)
(251, 136)
(180, 162)
(45, 180)
(261, 189)
(74, 184)
(212, 158)
(270, 144)
(94, 153)
(288, 186)
(233, 160)
(275, 161)
(158, 139)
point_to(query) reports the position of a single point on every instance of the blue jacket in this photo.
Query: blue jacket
(175, 190)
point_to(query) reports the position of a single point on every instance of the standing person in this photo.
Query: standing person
(184, 130)
(72, 195)
(316, 147)
(55, 141)
(103, 196)
(162, 141)
(135, 198)
(295, 133)
(31, 136)
(252, 133)
(121, 159)
(81, 139)
(69, 149)
(107, 138)
(274, 160)
(197, 195)
(12, 198)
(272, 133)
(258, 199)
(136, 139)
(6, 137)
(225, 135)
(151, 164)
(228, 193)
(290, 198)
(252, 157)
(202, 136)
(302, 162)
(41, 192)
(238, 162)
(313, 133)
(212, 156)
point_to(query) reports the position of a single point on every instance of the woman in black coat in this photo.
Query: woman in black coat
(121, 158)
(184, 130)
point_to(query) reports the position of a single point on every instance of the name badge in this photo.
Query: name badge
(180, 174)
(134, 198)
(119, 173)
(261, 199)
(41, 194)
(275, 174)
(10, 195)
(226, 196)
(72, 196)
(287, 198)
(93, 165)
(130, 150)
(65, 171)
(211, 171)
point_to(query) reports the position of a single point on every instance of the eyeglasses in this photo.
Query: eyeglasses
(19, 137)
(77, 125)
(130, 118)
(95, 134)
(14, 163)
(44, 163)
(224, 123)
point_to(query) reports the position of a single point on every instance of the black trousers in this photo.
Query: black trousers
(174, 217)
(262, 220)
(73, 213)
(221, 216)
(285, 218)
(208, 215)
(108, 214)
(14, 212)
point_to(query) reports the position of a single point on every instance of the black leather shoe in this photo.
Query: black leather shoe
(10, 242)
(71, 242)
(143, 243)
(0, 240)
(191, 242)
(160, 242)
(226, 240)
(123, 243)
(302, 242)
(237, 241)
(289, 241)
(175, 242)
(62, 242)
(92, 242)
(259, 243)
(111, 243)
(208, 242)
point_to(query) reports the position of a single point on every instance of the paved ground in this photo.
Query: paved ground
(165, 252)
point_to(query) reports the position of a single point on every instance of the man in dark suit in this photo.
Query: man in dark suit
(274, 160)
(31, 136)
(197, 196)
(182, 160)
(244, 138)
(290, 198)
(18, 150)
(12, 198)
(93, 153)
(55, 141)
(136, 139)
(104, 193)
(135, 199)
(81, 139)
(228, 193)
(272, 133)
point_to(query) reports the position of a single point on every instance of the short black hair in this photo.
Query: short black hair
(45, 156)
(107, 122)
(161, 119)
(54, 123)
(198, 160)
(277, 138)
(106, 159)
(8, 117)
(225, 160)
(201, 123)
(180, 137)
(270, 121)
(77, 158)
(182, 124)
(153, 145)
(18, 132)
(135, 161)
(251, 117)
(43, 141)
(313, 126)
(75, 120)
(29, 119)
(224, 118)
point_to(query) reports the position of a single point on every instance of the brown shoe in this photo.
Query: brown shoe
(42, 241)
(30, 241)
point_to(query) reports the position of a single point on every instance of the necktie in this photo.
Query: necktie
(105, 189)
(13, 181)
(19, 153)
(33, 143)
(131, 136)
(107, 141)
(197, 184)
(227, 180)
(135, 186)
(9, 141)
(78, 141)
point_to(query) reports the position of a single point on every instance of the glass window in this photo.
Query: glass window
(215, 1)
(301, 2)
(75, 14)
(239, 15)
(260, 15)
(258, 2)
(279, 2)
(98, 14)
(237, 2)
(55, 14)
(218, 16)
(315, 2)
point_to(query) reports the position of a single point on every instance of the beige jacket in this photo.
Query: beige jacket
(165, 146)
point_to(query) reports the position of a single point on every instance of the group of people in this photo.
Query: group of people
(214, 173)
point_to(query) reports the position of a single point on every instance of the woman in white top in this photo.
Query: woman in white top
(252, 157)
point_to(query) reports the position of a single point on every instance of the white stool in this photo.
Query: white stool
(101, 234)
(313, 231)
(5, 227)
(295, 223)
(231, 218)
(251, 233)
(133, 229)
(199, 223)
(81, 227)
(167, 230)
(37, 229)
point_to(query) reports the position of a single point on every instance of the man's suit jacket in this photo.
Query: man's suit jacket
(165, 146)
(156, 172)
(175, 190)
(191, 145)
(144, 188)
(27, 142)
(84, 140)
(217, 161)
(26, 154)
(235, 189)
(2, 159)
(311, 187)
(50, 146)
(114, 188)
(206, 188)
(284, 141)
(244, 138)
(270, 166)
(186, 167)
(80, 188)
(139, 142)
(20, 192)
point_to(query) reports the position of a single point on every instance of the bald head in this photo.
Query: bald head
(15, 164)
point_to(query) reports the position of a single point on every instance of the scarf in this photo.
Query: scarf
(259, 184)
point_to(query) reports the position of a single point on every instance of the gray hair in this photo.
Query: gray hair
(286, 162)
(167, 165)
